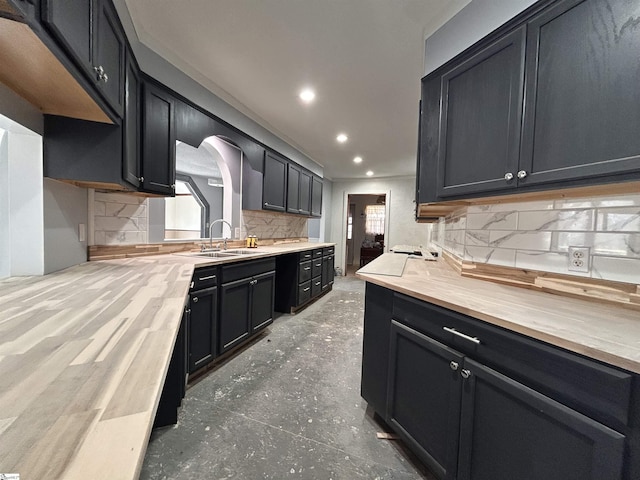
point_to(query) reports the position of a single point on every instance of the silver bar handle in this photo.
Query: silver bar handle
(307, 268)
(307, 289)
(206, 278)
(475, 340)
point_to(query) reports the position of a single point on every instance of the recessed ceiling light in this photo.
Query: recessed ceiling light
(369, 173)
(342, 138)
(307, 95)
(357, 160)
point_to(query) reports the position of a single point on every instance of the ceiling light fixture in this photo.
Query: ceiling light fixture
(342, 137)
(307, 95)
(369, 173)
(357, 160)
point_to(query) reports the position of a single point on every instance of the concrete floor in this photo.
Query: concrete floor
(288, 406)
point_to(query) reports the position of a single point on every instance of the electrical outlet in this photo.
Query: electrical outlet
(579, 259)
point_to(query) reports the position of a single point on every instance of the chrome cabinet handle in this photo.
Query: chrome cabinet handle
(307, 268)
(522, 174)
(317, 283)
(207, 278)
(105, 78)
(508, 176)
(195, 299)
(306, 289)
(465, 373)
(475, 340)
(192, 284)
(141, 179)
(173, 186)
(454, 365)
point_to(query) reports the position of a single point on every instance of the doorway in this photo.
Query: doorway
(366, 221)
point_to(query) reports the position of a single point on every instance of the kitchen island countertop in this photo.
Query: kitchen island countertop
(604, 332)
(83, 357)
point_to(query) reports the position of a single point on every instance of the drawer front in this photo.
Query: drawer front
(204, 277)
(317, 253)
(306, 255)
(316, 286)
(304, 271)
(328, 251)
(316, 267)
(304, 292)
(248, 268)
(594, 389)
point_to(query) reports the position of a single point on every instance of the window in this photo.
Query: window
(374, 219)
(350, 224)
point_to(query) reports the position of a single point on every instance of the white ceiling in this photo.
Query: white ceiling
(364, 59)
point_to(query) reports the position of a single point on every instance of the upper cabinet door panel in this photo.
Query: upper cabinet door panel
(481, 119)
(131, 150)
(109, 48)
(582, 113)
(274, 183)
(293, 189)
(70, 22)
(158, 141)
(304, 199)
(316, 196)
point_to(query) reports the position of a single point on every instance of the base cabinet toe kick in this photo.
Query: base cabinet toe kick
(478, 402)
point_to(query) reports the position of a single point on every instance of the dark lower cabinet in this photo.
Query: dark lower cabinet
(467, 397)
(203, 305)
(246, 301)
(511, 431)
(175, 382)
(302, 277)
(235, 313)
(327, 271)
(424, 397)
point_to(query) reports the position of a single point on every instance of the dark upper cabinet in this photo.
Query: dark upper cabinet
(304, 194)
(109, 54)
(293, 189)
(480, 121)
(274, 183)
(511, 431)
(89, 30)
(158, 141)
(424, 397)
(548, 101)
(316, 196)
(71, 23)
(131, 170)
(582, 101)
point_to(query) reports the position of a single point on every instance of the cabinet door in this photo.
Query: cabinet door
(327, 271)
(316, 196)
(511, 431)
(293, 189)
(108, 54)
(304, 199)
(70, 21)
(424, 397)
(481, 118)
(582, 112)
(158, 141)
(262, 297)
(274, 183)
(203, 306)
(235, 313)
(131, 149)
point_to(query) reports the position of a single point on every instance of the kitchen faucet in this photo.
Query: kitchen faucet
(220, 220)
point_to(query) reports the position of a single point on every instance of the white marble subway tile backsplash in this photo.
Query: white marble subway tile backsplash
(537, 235)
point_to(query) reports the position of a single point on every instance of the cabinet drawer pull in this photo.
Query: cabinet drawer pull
(522, 174)
(307, 255)
(307, 268)
(508, 176)
(454, 365)
(206, 278)
(192, 284)
(465, 373)
(306, 289)
(475, 340)
(318, 264)
(195, 299)
(317, 283)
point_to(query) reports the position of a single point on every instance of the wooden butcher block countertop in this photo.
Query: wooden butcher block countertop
(83, 357)
(607, 333)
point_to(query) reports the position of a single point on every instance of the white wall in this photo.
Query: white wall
(403, 228)
(469, 25)
(65, 207)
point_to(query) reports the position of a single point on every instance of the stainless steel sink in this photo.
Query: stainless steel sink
(242, 251)
(225, 254)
